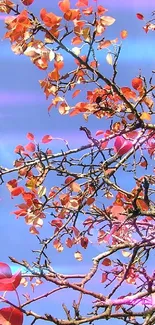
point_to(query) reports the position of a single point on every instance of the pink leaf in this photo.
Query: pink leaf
(46, 139)
(30, 147)
(30, 136)
(11, 283)
(122, 146)
(99, 132)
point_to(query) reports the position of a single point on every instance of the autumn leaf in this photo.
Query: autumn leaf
(78, 256)
(30, 136)
(11, 316)
(82, 3)
(109, 59)
(145, 116)
(142, 205)
(122, 146)
(107, 20)
(137, 83)
(106, 262)
(124, 34)
(84, 242)
(17, 191)
(19, 149)
(140, 16)
(64, 5)
(75, 187)
(46, 139)
(8, 282)
(27, 2)
(76, 92)
(104, 277)
(30, 147)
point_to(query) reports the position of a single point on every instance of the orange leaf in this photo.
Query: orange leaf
(76, 92)
(137, 83)
(72, 14)
(124, 34)
(54, 75)
(59, 65)
(64, 5)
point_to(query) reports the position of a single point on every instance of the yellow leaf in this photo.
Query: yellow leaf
(145, 116)
(31, 183)
(86, 34)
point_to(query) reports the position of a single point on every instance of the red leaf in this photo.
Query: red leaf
(30, 136)
(11, 184)
(106, 262)
(30, 147)
(11, 316)
(46, 139)
(104, 277)
(140, 16)
(56, 223)
(69, 242)
(17, 191)
(84, 242)
(8, 282)
(69, 179)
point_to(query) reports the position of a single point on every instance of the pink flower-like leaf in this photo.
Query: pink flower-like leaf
(122, 146)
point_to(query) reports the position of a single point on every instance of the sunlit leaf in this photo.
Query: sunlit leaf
(78, 256)
(109, 59)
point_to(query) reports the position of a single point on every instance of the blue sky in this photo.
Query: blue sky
(23, 109)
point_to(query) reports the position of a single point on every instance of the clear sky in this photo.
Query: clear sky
(23, 109)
